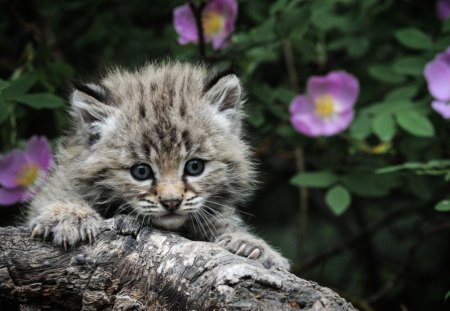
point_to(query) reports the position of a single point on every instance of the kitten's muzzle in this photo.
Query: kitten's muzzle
(171, 205)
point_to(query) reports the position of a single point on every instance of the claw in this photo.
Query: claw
(222, 242)
(33, 233)
(65, 244)
(254, 254)
(46, 233)
(241, 249)
(90, 238)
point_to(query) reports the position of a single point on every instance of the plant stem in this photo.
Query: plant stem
(299, 156)
(197, 12)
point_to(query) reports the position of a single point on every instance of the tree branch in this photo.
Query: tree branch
(132, 268)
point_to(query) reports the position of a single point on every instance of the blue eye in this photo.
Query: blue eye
(194, 167)
(141, 171)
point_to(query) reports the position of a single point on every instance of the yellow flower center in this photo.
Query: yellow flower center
(324, 106)
(213, 23)
(28, 175)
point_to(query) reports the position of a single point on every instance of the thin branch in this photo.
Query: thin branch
(299, 155)
(197, 11)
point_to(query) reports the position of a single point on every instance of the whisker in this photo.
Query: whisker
(229, 207)
(207, 222)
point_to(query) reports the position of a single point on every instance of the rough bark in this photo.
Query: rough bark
(132, 268)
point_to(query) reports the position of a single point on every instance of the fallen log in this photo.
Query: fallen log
(133, 268)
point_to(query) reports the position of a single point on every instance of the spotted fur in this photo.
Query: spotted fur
(161, 115)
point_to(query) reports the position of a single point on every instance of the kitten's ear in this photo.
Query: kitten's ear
(225, 92)
(91, 109)
(90, 103)
(226, 95)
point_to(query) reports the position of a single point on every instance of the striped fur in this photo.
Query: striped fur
(161, 115)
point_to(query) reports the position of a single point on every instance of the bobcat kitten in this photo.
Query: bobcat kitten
(163, 144)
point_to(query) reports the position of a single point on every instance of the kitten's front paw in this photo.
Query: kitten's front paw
(245, 245)
(67, 224)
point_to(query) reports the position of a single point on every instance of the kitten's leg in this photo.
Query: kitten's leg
(58, 212)
(247, 245)
(232, 235)
(68, 223)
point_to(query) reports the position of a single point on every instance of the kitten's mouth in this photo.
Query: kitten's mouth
(171, 215)
(170, 221)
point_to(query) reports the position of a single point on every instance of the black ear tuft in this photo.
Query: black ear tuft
(216, 77)
(96, 91)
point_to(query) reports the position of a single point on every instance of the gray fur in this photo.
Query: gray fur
(161, 115)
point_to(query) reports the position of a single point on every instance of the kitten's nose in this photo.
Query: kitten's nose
(171, 204)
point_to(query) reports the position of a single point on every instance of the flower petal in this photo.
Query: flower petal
(228, 10)
(336, 124)
(443, 9)
(306, 123)
(342, 86)
(442, 108)
(301, 104)
(11, 196)
(39, 150)
(10, 167)
(437, 74)
(220, 41)
(185, 25)
(312, 125)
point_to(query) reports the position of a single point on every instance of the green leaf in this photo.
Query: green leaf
(368, 184)
(402, 93)
(396, 168)
(443, 206)
(446, 26)
(391, 106)
(361, 127)
(294, 20)
(19, 86)
(432, 167)
(3, 85)
(40, 100)
(410, 66)
(338, 199)
(317, 179)
(384, 127)
(385, 73)
(414, 38)
(324, 18)
(4, 111)
(447, 295)
(415, 123)
(358, 46)
(278, 6)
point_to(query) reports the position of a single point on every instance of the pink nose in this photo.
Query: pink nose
(171, 205)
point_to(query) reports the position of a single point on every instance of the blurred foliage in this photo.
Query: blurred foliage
(378, 223)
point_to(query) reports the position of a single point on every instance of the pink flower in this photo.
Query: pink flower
(328, 107)
(437, 74)
(19, 170)
(443, 9)
(218, 18)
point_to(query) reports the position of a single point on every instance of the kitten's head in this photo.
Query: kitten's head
(164, 141)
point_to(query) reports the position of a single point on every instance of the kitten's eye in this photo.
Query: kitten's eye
(194, 167)
(141, 171)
